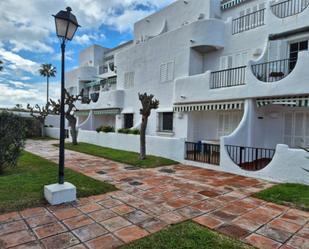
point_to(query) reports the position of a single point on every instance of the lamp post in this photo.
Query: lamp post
(66, 26)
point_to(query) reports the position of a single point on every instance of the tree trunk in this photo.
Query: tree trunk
(143, 138)
(47, 91)
(73, 132)
(43, 129)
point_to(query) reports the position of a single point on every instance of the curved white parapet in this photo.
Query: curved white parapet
(188, 89)
(86, 125)
(107, 100)
(286, 9)
(207, 34)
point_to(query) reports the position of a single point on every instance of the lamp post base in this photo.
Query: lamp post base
(60, 193)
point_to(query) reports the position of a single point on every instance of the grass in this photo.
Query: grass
(121, 156)
(187, 235)
(294, 195)
(22, 186)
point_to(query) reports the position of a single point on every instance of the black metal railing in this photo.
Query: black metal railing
(274, 70)
(201, 152)
(289, 8)
(249, 21)
(228, 77)
(249, 158)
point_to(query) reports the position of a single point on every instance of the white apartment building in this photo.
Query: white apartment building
(232, 79)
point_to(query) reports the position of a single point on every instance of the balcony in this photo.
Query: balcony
(249, 21)
(228, 78)
(274, 70)
(289, 8)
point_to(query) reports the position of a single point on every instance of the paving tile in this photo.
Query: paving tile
(233, 231)
(33, 212)
(60, 241)
(102, 215)
(262, 242)
(41, 220)
(304, 233)
(189, 212)
(67, 213)
(131, 233)
(204, 206)
(298, 242)
(49, 230)
(152, 225)
(13, 216)
(115, 223)
(109, 203)
(296, 217)
(17, 238)
(89, 232)
(223, 216)
(136, 216)
(284, 225)
(171, 218)
(30, 245)
(104, 242)
(209, 193)
(207, 221)
(79, 246)
(275, 234)
(122, 209)
(78, 221)
(90, 208)
(11, 227)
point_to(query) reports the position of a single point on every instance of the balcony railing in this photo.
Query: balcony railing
(289, 8)
(205, 153)
(249, 158)
(274, 70)
(249, 21)
(228, 77)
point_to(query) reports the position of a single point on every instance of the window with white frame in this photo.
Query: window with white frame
(228, 122)
(167, 72)
(129, 80)
(236, 60)
(166, 122)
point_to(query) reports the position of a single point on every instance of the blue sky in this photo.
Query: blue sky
(27, 39)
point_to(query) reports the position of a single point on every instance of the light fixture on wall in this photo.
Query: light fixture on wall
(180, 115)
(183, 97)
(185, 2)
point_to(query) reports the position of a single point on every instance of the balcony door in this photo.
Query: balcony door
(296, 129)
(295, 48)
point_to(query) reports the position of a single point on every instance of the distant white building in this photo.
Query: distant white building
(232, 79)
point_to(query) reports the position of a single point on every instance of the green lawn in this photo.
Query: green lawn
(294, 195)
(22, 186)
(187, 235)
(121, 156)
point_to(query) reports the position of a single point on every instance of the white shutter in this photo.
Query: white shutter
(299, 129)
(230, 61)
(163, 72)
(288, 128)
(223, 62)
(129, 80)
(170, 71)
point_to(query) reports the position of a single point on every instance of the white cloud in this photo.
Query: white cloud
(86, 39)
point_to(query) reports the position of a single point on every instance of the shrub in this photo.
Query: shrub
(12, 139)
(33, 127)
(129, 131)
(106, 129)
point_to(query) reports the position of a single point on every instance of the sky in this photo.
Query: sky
(28, 39)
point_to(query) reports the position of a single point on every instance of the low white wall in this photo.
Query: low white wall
(52, 132)
(171, 148)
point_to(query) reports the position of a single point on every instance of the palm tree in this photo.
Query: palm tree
(47, 70)
(1, 67)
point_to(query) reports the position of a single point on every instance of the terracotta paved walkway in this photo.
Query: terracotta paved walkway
(216, 200)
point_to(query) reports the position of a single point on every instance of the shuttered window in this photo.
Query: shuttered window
(166, 72)
(129, 80)
(228, 122)
(296, 129)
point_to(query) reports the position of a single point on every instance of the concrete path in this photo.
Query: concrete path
(148, 201)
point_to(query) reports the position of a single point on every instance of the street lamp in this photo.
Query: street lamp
(66, 26)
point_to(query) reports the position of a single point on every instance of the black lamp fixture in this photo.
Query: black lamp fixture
(66, 26)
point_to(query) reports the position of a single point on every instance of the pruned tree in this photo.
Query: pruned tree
(47, 70)
(70, 101)
(40, 114)
(148, 103)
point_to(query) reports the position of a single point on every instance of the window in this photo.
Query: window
(294, 49)
(166, 121)
(129, 80)
(228, 122)
(128, 121)
(167, 72)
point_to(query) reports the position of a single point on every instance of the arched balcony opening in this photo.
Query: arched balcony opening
(288, 8)
(249, 158)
